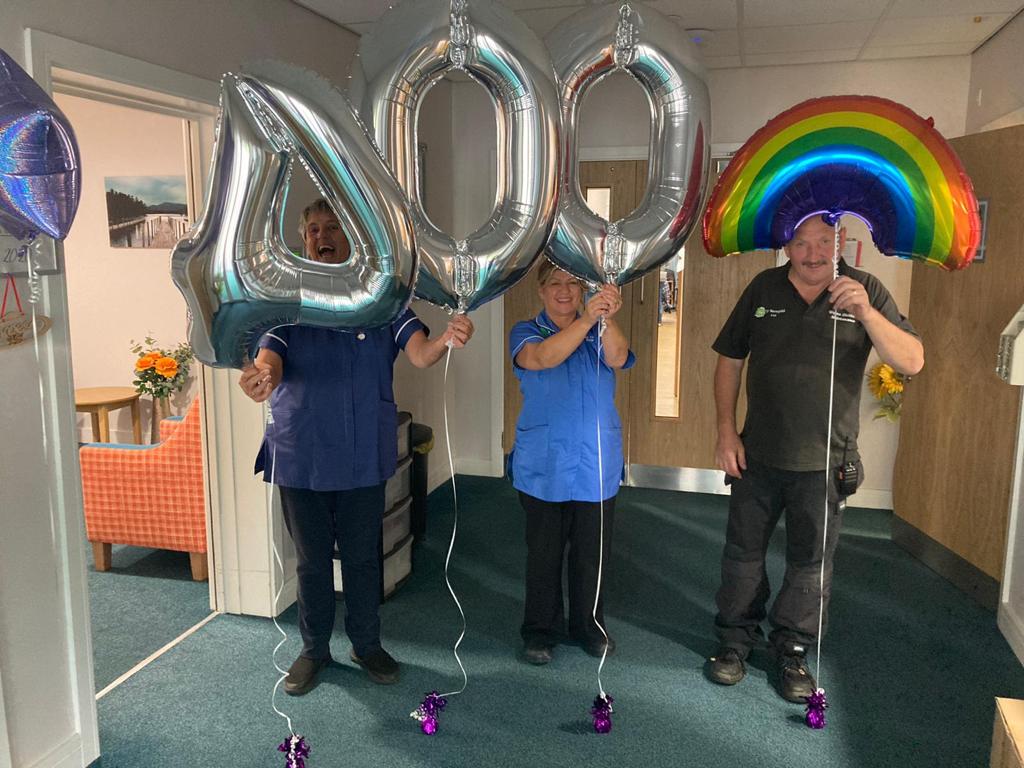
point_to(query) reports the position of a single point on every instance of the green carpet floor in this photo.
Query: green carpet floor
(146, 600)
(911, 665)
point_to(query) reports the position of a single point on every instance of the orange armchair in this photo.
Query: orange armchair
(148, 495)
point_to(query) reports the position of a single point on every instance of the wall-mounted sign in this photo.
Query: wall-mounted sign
(14, 255)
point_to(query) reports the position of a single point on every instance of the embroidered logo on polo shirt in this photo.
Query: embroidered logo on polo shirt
(764, 312)
(843, 317)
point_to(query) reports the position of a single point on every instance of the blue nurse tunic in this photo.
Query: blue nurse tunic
(335, 423)
(555, 453)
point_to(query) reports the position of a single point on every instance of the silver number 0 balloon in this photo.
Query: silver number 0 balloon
(238, 277)
(640, 41)
(405, 53)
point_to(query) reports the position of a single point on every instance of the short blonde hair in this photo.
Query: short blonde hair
(548, 268)
(545, 270)
(320, 204)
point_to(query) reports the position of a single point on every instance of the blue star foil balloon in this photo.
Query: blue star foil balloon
(40, 167)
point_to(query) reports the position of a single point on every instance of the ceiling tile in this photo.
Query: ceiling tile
(800, 57)
(940, 29)
(810, 37)
(360, 27)
(915, 51)
(780, 13)
(721, 62)
(530, 5)
(719, 42)
(709, 14)
(905, 8)
(348, 11)
(543, 20)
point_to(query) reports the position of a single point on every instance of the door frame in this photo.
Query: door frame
(241, 532)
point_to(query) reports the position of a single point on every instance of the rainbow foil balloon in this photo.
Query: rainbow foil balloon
(859, 155)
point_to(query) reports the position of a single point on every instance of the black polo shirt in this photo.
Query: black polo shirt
(790, 347)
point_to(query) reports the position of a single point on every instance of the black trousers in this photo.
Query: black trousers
(316, 520)
(551, 528)
(758, 501)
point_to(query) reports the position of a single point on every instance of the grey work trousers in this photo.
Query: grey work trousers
(758, 500)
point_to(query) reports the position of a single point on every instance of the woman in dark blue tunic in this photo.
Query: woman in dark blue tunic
(330, 449)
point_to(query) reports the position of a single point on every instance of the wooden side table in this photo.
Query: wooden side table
(98, 402)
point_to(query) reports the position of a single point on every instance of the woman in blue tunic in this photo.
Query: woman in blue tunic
(330, 449)
(568, 389)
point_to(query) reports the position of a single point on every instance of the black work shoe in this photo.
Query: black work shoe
(302, 675)
(726, 667)
(379, 666)
(795, 681)
(596, 647)
(537, 653)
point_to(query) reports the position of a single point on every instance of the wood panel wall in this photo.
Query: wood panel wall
(710, 289)
(954, 465)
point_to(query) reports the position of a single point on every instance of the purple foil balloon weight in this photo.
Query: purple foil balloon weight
(296, 749)
(816, 706)
(40, 176)
(428, 712)
(602, 712)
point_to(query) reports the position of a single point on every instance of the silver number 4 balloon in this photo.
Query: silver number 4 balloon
(238, 277)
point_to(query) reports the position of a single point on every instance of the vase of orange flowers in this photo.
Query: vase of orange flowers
(160, 372)
(887, 384)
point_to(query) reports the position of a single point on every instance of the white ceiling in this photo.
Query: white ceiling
(752, 33)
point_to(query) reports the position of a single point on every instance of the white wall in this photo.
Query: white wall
(742, 100)
(197, 37)
(457, 125)
(48, 711)
(996, 95)
(119, 294)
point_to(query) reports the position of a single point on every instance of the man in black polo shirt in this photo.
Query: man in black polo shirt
(784, 323)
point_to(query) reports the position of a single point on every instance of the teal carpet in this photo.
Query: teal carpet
(146, 600)
(911, 665)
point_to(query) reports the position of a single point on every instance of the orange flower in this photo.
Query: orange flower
(147, 361)
(167, 367)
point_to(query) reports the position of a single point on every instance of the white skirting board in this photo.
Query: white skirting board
(687, 479)
(67, 754)
(1011, 625)
(692, 480)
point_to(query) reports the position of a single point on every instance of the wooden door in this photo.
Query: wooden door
(707, 289)
(954, 469)
(620, 180)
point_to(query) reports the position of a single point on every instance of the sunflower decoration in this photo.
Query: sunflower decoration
(886, 384)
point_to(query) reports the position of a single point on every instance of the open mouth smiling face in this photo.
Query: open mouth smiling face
(324, 239)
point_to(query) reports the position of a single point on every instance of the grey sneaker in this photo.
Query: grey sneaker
(302, 675)
(379, 665)
(726, 667)
(795, 681)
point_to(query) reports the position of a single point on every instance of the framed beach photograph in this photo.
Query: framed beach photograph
(146, 211)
